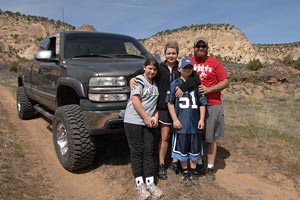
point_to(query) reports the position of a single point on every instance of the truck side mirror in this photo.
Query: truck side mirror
(44, 55)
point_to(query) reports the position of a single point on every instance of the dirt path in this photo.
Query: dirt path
(112, 180)
(89, 185)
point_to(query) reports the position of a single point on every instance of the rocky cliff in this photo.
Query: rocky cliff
(21, 34)
(275, 52)
(224, 40)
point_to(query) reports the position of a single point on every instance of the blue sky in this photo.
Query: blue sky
(262, 21)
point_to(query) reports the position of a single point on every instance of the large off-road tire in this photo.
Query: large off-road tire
(24, 105)
(74, 147)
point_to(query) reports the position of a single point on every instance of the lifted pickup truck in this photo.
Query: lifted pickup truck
(78, 82)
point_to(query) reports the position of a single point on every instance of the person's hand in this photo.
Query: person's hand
(132, 83)
(148, 121)
(204, 90)
(201, 124)
(154, 122)
(177, 124)
(178, 92)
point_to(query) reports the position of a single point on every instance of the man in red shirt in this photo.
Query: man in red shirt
(213, 79)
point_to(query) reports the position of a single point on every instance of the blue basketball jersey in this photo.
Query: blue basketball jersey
(186, 107)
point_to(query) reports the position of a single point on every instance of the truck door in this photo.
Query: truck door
(48, 74)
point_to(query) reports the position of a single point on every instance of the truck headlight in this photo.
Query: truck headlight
(108, 89)
(107, 81)
(107, 97)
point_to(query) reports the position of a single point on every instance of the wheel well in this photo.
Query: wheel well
(20, 82)
(66, 96)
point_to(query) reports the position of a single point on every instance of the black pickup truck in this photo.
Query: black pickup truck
(78, 82)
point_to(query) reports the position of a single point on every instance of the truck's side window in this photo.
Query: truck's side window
(44, 44)
(52, 46)
(131, 49)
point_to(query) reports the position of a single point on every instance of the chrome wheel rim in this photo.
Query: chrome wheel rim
(18, 104)
(62, 140)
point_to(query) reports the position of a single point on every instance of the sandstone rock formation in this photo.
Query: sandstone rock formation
(20, 35)
(86, 27)
(224, 40)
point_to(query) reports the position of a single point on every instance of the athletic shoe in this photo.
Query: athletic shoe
(201, 168)
(176, 167)
(186, 179)
(162, 172)
(210, 176)
(142, 192)
(195, 178)
(154, 190)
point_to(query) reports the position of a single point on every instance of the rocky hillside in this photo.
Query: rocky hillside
(272, 53)
(225, 41)
(21, 34)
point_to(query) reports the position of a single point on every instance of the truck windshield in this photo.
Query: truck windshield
(103, 45)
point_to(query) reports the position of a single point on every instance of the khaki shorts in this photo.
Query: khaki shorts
(214, 124)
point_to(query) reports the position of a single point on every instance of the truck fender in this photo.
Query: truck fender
(72, 83)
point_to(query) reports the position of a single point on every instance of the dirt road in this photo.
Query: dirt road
(110, 177)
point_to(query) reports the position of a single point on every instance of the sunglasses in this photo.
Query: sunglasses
(203, 46)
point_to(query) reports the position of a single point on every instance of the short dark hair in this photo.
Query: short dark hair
(173, 45)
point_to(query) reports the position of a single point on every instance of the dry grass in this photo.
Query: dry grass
(265, 130)
(259, 132)
(275, 110)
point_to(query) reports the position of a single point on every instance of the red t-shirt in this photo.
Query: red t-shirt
(210, 71)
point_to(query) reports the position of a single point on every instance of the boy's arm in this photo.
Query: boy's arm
(176, 123)
(191, 83)
(137, 104)
(201, 122)
(203, 104)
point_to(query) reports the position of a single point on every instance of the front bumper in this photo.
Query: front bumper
(103, 118)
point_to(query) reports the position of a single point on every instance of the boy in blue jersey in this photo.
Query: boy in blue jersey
(188, 115)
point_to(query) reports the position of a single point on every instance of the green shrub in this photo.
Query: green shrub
(13, 66)
(296, 64)
(254, 65)
(288, 60)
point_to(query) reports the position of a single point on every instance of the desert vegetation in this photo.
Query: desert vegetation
(262, 139)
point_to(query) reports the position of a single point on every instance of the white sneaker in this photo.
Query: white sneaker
(142, 192)
(154, 190)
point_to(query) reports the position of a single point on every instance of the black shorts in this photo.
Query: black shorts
(164, 117)
(187, 146)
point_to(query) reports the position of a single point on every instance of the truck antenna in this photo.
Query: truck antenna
(63, 16)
